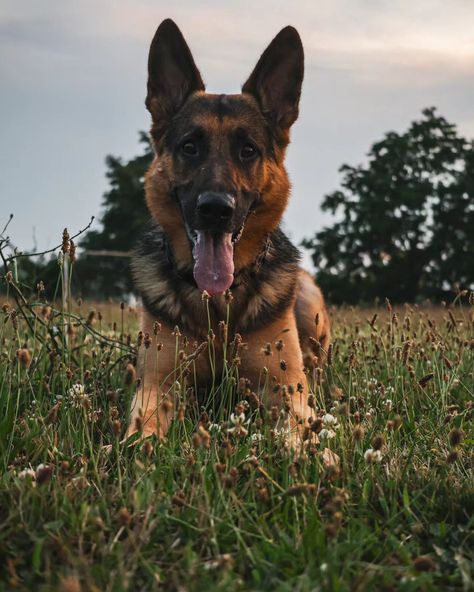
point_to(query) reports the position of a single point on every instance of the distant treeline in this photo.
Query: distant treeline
(403, 223)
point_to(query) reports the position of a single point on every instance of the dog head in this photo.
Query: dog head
(218, 185)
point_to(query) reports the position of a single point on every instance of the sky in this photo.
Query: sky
(73, 80)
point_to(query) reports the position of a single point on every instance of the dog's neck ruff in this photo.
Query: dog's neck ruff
(261, 291)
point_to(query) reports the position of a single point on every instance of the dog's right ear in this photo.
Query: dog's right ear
(172, 74)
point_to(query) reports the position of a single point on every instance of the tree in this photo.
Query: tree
(124, 216)
(405, 219)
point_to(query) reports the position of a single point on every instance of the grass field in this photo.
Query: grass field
(379, 497)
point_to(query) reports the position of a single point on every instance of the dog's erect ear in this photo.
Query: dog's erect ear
(172, 73)
(277, 78)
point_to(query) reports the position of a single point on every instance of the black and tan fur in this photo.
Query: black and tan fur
(273, 298)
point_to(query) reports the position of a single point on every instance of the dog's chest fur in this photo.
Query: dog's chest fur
(259, 294)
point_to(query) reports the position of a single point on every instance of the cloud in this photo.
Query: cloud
(73, 83)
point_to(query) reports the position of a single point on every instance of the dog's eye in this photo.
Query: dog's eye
(189, 148)
(247, 152)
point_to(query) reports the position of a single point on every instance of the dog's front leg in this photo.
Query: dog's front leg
(153, 404)
(283, 383)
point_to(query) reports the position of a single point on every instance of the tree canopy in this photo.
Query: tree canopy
(124, 217)
(404, 224)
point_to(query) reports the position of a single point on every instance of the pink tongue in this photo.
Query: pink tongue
(213, 262)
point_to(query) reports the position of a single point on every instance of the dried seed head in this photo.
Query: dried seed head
(130, 374)
(52, 416)
(138, 424)
(117, 427)
(147, 448)
(279, 345)
(205, 296)
(167, 405)
(378, 442)
(274, 413)
(124, 516)
(70, 584)
(156, 327)
(43, 473)
(24, 357)
(223, 331)
(455, 437)
(425, 380)
(358, 433)
(267, 349)
(228, 296)
(72, 251)
(147, 340)
(452, 457)
(317, 425)
(65, 243)
(424, 563)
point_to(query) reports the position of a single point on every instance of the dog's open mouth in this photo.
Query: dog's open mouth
(213, 255)
(213, 262)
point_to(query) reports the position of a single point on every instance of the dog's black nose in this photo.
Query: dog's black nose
(213, 206)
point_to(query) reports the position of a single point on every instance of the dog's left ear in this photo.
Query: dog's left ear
(277, 78)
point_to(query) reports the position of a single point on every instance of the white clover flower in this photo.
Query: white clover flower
(329, 420)
(78, 396)
(76, 390)
(256, 437)
(282, 433)
(388, 404)
(372, 456)
(237, 419)
(240, 424)
(370, 413)
(214, 428)
(325, 433)
(27, 473)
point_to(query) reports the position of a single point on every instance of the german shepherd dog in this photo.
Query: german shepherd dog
(216, 191)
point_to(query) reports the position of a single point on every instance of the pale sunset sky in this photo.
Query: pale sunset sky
(73, 79)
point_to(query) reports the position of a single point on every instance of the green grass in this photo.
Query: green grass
(211, 509)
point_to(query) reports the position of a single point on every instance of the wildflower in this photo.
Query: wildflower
(388, 404)
(78, 397)
(239, 424)
(372, 456)
(327, 433)
(27, 474)
(256, 437)
(329, 420)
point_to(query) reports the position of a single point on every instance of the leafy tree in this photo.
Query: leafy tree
(124, 216)
(405, 219)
